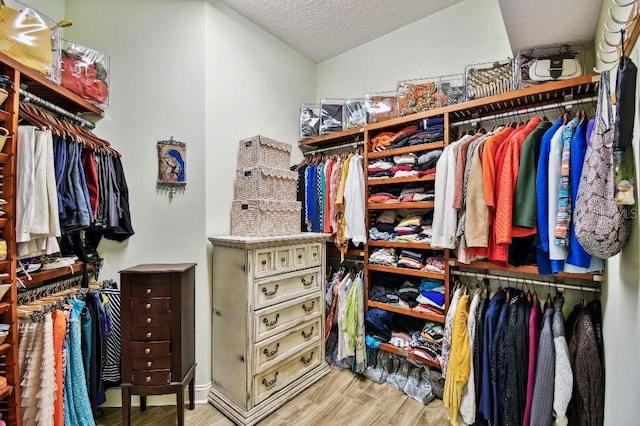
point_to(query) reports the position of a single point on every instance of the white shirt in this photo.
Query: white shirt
(354, 210)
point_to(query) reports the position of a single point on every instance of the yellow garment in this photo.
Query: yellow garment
(340, 240)
(458, 369)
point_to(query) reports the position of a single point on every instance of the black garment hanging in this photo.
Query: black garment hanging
(625, 101)
(124, 229)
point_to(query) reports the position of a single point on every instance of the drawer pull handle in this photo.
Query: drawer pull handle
(306, 361)
(147, 351)
(264, 262)
(148, 306)
(148, 335)
(269, 353)
(310, 308)
(300, 256)
(305, 282)
(149, 320)
(148, 291)
(282, 259)
(315, 254)
(270, 293)
(305, 335)
(148, 379)
(149, 363)
(270, 323)
(269, 383)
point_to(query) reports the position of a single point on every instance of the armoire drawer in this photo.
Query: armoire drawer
(306, 255)
(150, 377)
(285, 259)
(275, 319)
(151, 319)
(273, 350)
(151, 333)
(150, 349)
(279, 288)
(279, 376)
(151, 304)
(151, 363)
(157, 287)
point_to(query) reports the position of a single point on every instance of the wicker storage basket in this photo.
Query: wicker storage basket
(260, 151)
(265, 218)
(266, 183)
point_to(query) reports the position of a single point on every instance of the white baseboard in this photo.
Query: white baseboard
(114, 398)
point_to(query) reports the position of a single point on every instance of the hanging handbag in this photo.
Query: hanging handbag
(602, 226)
(26, 37)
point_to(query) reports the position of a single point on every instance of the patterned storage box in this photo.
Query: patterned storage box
(261, 183)
(262, 151)
(417, 96)
(265, 218)
(488, 79)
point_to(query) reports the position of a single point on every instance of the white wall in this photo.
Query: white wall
(466, 33)
(157, 91)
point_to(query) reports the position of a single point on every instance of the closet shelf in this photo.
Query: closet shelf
(408, 179)
(3, 222)
(529, 270)
(5, 116)
(406, 150)
(406, 271)
(332, 139)
(5, 392)
(390, 206)
(4, 307)
(40, 277)
(4, 348)
(4, 265)
(401, 244)
(41, 86)
(4, 158)
(352, 252)
(408, 354)
(405, 311)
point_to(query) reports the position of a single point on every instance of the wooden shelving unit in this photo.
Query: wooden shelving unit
(408, 354)
(401, 244)
(401, 180)
(406, 150)
(332, 139)
(37, 84)
(406, 271)
(405, 311)
(40, 277)
(392, 206)
(529, 270)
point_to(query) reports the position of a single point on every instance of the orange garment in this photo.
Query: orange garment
(59, 332)
(382, 140)
(327, 199)
(489, 165)
(508, 165)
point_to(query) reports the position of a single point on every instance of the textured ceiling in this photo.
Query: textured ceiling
(321, 29)
(546, 22)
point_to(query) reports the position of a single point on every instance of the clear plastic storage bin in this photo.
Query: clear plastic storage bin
(451, 89)
(488, 79)
(381, 106)
(85, 71)
(309, 121)
(355, 114)
(418, 95)
(541, 64)
(331, 115)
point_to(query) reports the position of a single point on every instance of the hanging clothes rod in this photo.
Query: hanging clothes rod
(334, 148)
(523, 111)
(36, 100)
(559, 286)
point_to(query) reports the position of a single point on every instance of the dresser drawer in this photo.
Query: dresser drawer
(151, 304)
(159, 287)
(151, 319)
(151, 333)
(280, 288)
(272, 351)
(150, 363)
(150, 349)
(151, 377)
(276, 378)
(273, 320)
(307, 255)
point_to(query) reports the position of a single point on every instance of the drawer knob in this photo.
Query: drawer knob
(270, 293)
(264, 262)
(148, 306)
(305, 282)
(308, 308)
(269, 353)
(305, 335)
(149, 363)
(149, 320)
(315, 254)
(306, 361)
(148, 291)
(282, 259)
(300, 256)
(269, 383)
(270, 323)
(147, 351)
(149, 335)
(147, 379)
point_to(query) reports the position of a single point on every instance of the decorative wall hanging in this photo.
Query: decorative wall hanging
(172, 159)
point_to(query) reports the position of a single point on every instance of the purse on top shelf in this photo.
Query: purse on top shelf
(537, 65)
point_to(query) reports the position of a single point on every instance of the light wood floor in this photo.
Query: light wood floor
(340, 398)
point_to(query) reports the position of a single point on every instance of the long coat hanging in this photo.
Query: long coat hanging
(172, 161)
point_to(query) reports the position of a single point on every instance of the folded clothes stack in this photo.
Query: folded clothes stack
(378, 324)
(411, 259)
(413, 228)
(404, 165)
(432, 296)
(384, 256)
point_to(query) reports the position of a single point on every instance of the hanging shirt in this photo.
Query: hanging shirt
(468, 401)
(487, 395)
(556, 252)
(437, 226)
(354, 197)
(459, 365)
(450, 213)
(563, 216)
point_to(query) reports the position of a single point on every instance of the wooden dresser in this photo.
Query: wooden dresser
(158, 333)
(268, 322)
